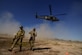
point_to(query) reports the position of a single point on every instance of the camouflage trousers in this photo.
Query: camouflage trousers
(15, 41)
(31, 42)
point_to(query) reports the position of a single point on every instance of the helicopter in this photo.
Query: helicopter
(49, 17)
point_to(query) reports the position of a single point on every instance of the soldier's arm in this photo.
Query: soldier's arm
(23, 33)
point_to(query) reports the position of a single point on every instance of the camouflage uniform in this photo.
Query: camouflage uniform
(18, 37)
(32, 38)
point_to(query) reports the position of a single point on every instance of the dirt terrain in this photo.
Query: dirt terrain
(42, 47)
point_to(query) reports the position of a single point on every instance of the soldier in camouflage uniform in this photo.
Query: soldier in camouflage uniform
(32, 38)
(18, 37)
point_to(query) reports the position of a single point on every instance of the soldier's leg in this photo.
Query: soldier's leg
(30, 42)
(31, 45)
(33, 42)
(21, 44)
(14, 43)
(13, 40)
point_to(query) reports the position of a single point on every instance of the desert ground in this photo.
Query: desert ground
(42, 47)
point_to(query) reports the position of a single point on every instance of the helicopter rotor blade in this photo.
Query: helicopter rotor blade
(36, 15)
(50, 9)
(60, 14)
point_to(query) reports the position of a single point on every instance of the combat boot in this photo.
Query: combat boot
(10, 50)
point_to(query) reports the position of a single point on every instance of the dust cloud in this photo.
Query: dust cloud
(8, 25)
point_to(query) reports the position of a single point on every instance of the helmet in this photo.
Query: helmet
(21, 26)
(34, 29)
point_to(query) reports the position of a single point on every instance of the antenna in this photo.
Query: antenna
(50, 9)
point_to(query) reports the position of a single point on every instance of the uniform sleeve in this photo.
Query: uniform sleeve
(35, 33)
(23, 33)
